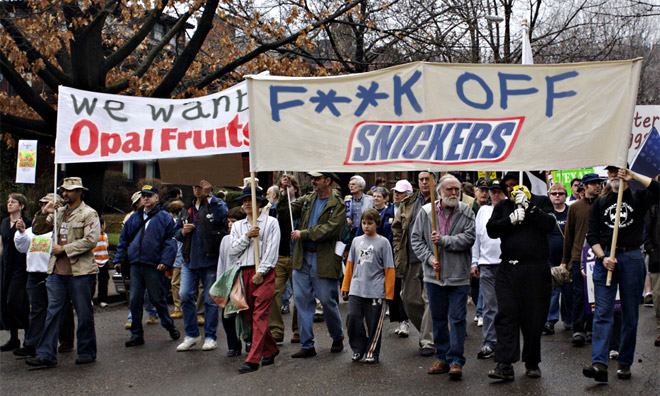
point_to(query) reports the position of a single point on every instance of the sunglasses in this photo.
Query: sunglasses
(557, 194)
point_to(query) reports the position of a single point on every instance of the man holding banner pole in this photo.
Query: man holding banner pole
(626, 266)
(316, 266)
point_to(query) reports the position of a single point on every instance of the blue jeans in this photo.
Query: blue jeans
(563, 305)
(629, 275)
(308, 286)
(190, 278)
(447, 307)
(147, 277)
(61, 288)
(148, 306)
(286, 295)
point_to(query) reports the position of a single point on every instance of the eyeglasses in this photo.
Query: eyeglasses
(557, 194)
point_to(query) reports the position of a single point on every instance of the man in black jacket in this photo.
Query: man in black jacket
(523, 282)
(628, 268)
(652, 248)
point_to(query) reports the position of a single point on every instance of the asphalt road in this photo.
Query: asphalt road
(157, 369)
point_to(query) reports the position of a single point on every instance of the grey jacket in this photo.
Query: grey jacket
(454, 249)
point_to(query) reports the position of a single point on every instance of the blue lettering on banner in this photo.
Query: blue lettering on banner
(450, 141)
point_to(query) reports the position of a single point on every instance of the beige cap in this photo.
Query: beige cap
(72, 183)
(50, 197)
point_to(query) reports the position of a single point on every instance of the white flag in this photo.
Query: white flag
(527, 57)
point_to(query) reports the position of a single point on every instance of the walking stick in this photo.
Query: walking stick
(615, 232)
(434, 221)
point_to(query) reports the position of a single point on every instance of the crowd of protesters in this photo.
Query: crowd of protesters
(520, 258)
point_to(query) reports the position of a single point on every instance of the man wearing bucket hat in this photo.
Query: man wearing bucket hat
(71, 272)
(316, 267)
(258, 280)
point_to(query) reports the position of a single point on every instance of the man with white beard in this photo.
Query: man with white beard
(447, 277)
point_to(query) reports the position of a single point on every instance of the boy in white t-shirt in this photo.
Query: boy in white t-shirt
(368, 282)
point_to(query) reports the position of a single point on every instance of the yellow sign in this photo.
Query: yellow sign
(27, 159)
(491, 175)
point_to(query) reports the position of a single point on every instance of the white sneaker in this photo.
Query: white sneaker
(614, 354)
(476, 319)
(209, 344)
(103, 305)
(480, 322)
(188, 343)
(398, 329)
(404, 328)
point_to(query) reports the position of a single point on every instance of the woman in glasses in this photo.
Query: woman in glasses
(558, 195)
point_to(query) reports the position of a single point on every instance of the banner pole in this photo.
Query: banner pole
(255, 215)
(434, 220)
(288, 199)
(615, 232)
(54, 202)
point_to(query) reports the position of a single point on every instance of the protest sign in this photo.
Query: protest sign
(26, 162)
(645, 119)
(565, 176)
(93, 127)
(589, 260)
(445, 117)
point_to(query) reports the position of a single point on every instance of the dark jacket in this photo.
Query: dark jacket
(201, 246)
(527, 241)
(652, 237)
(153, 247)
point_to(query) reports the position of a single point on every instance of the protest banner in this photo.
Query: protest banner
(26, 161)
(645, 119)
(589, 260)
(445, 117)
(93, 127)
(565, 176)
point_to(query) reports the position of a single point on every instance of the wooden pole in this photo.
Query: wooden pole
(255, 215)
(434, 221)
(615, 232)
(288, 199)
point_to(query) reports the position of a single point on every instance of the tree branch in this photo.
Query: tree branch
(275, 44)
(26, 93)
(189, 53)
(122, 52)
(28, 128)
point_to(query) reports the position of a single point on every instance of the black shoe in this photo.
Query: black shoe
(65, 348)
(623, 372)
(304, 353)
(589, 337)
(549, 328)
(10, 345)
(533, 371)
(279, 341)
(39, 363)
(596, 371)
(657, 341)
(503, 371)
(25, 352)
(174, 333)
(134, 341)
(357, 356)
(285, 309)
(233, 353)
(337, 345)
(318, 318)
(270, 360)
(579, 339)
(248, 346)
(85, 359)
(247, 368)
(427, 351)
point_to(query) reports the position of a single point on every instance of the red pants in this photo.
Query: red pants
(260, 300)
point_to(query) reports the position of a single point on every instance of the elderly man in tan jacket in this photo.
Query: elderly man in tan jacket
(71, 272)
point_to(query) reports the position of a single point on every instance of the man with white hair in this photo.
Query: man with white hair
(447, 276)
(357, 204)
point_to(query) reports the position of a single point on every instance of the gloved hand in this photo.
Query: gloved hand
(520, 199)
(517, 216)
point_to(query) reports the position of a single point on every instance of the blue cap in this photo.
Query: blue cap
(590, 177)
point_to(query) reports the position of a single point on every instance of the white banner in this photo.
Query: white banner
(445, 117)
(645, 118)
(95, 127)
(26, 161)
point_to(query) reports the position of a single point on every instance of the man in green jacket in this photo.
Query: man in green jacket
(316, 267)
(71, 272)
